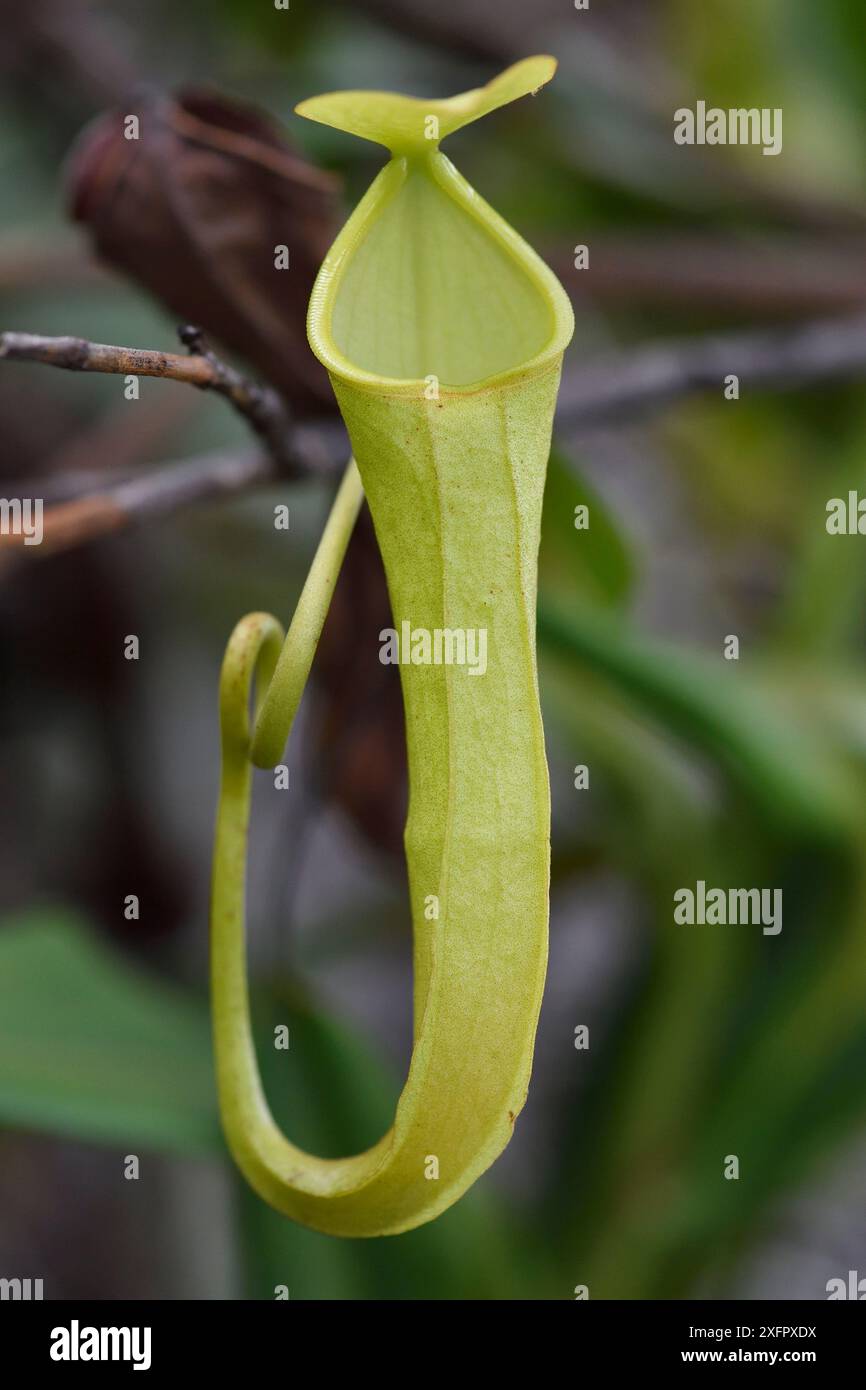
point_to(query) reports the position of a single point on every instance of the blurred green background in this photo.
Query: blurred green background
(706, 519)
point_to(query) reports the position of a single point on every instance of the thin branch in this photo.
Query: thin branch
(84, 507)
(261, 406)
(79, 355)
(646, 379)
(113, 506)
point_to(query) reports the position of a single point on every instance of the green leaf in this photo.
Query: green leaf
(770, 753)
(92, 1047)
(598, 560)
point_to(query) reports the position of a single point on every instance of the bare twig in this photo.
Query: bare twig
(769, 280)
(83, 507)
(116, 505)
(262, 408)
(79, 355)
(647, 379)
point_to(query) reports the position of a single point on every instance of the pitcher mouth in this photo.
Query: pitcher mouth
(426, 281)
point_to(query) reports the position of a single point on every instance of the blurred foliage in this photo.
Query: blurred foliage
(93, 1048)
(704, 521)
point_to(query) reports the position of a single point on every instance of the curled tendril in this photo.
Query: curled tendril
(260, 659)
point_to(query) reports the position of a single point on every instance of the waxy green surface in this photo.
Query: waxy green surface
(443, 334)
